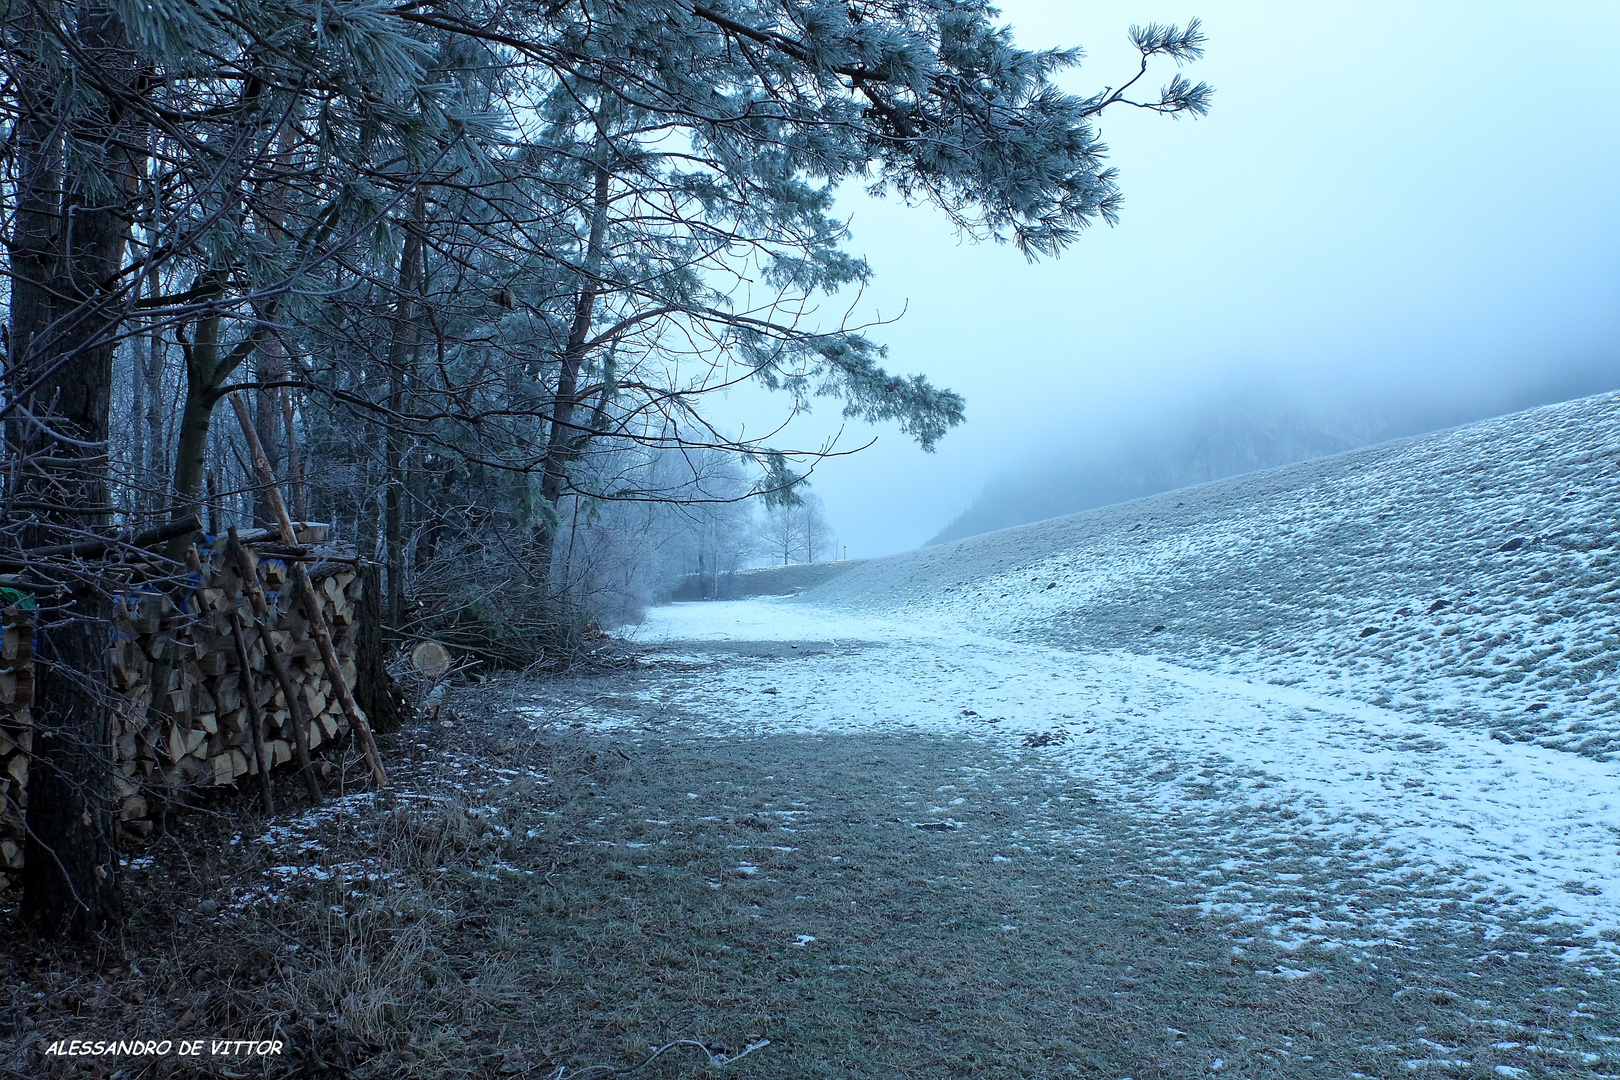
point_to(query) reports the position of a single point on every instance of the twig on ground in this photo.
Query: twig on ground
(718, 1061)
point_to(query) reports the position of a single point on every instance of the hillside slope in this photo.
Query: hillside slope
(1227, 437)
(1227, 428)
(1469, 577)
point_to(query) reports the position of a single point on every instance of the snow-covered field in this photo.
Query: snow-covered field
(1361, 693)
(1469, 578)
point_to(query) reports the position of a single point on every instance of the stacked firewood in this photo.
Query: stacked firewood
(198, 730)
(16, 731)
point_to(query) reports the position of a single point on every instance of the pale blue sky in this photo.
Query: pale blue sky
(1411, 194)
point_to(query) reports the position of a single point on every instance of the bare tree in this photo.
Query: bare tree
(819, 539)
(796, 530)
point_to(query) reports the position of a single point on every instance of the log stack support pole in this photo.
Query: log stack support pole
(311, 600)
(297, 707)
(255, 718)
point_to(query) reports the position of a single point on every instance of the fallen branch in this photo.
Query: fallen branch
(91, 548)
(718, 1061)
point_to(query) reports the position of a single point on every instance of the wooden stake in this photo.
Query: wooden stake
(311, 599)
(297, 708)
(255, 717)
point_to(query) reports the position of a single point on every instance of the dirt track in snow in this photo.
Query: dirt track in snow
(1147, 892)
(1403, 823)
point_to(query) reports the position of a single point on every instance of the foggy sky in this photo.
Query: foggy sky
(1415, 198)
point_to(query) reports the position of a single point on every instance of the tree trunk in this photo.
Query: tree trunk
(554, 470)
(158, 483)
(192, 477)
(206, 372)
(62, 338)
(70, 872)
(295, 460)
(270, 366)
(147, 419)
(401, 351)
(137, 418)
(196, 416)
(375, 691)
(34, 252)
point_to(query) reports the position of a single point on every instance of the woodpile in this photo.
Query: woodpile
(200, 730)
(16, 732)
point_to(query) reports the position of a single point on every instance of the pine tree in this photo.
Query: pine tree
(503, 253)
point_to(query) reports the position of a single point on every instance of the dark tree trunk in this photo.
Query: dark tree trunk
(374, 689)
(401, 354)
(270, 366)
(155, 495)
(193, 479)
(67, 243)
(191, 435)
(70, 873)
(137, 417)
(295, 460)
(206, 375)
(563, 442)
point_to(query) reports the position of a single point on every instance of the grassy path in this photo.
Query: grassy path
(1044, 936)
